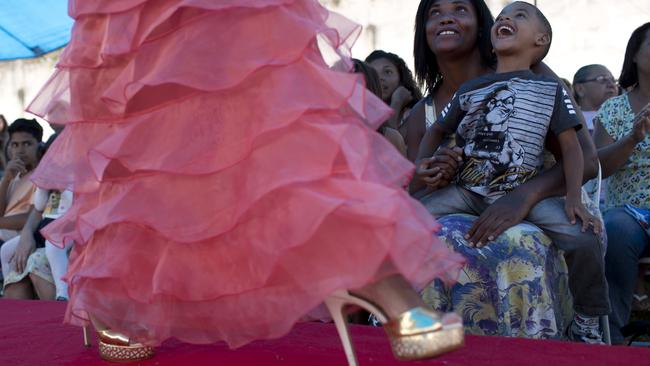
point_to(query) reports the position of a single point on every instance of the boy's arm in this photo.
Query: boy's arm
(573, 168)
(13, 222)
(550, 182)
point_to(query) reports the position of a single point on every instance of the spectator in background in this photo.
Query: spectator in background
(592, 86)
(32, 267)
(451, 46)
(16, 189)
(398, 88)
(4, 136)
(622, 135)
(374, 85)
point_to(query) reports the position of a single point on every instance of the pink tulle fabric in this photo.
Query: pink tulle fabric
(226, 169)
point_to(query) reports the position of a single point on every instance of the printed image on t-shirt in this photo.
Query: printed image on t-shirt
(57, 204)
(501, 122)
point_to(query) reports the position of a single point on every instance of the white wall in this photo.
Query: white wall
(20, 81)
(585, 31)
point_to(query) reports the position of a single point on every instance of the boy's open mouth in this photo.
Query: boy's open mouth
(505, 31)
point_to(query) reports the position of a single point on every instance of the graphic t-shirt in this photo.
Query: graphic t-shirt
(501, 122)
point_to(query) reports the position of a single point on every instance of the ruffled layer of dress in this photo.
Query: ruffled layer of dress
(227, 173)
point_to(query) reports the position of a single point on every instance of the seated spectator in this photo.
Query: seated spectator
(32, 266)
(592, 86)
(16, 189)
(398, 90)
(489, 97)
(4, 137)
(26, 271)
(622, 127)
(372, 83)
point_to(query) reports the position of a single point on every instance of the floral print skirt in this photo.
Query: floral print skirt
(516, 286)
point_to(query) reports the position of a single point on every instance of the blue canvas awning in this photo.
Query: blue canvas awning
(31, 28)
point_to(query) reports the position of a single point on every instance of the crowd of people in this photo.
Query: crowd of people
(497, 135)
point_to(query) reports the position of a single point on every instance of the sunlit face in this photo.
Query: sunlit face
(500, 107)
(517, 26)
(389, 77)
(452, 27)
(596, 87)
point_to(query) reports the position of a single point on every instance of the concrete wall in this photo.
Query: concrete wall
(586, 31)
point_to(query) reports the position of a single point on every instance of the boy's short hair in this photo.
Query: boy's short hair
(546, 27)
(29, 126)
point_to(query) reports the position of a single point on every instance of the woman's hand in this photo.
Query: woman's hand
(504, 213)
(641, 124)
(24, 249)
(400, 97)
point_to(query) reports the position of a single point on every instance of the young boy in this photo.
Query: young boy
(501, 122)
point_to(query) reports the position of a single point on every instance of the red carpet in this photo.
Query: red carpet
(31, 333)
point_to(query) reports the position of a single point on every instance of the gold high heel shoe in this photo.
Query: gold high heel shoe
(116, 347)
(416, 334)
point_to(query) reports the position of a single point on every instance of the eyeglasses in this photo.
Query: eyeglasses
(600, 80)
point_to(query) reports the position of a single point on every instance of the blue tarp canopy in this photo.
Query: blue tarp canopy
(31, 28)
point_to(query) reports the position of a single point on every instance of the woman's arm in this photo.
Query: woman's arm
(614, 154)
(416, 130)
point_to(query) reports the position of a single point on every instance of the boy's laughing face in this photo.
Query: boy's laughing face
(516, 28)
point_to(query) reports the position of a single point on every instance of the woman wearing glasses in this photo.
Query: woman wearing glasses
(622, 128)
(592, 86)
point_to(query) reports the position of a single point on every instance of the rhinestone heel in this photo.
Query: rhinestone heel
(415, 334)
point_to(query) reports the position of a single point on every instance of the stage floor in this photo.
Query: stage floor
(32, 333)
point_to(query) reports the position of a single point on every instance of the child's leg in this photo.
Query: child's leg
(584, 254)
(453, 199)
(58, 259)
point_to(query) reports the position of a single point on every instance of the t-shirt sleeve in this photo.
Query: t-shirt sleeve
(451, 115)
(39, 199)
(564, 114)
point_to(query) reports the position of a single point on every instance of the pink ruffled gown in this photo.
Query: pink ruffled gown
(226, 178)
